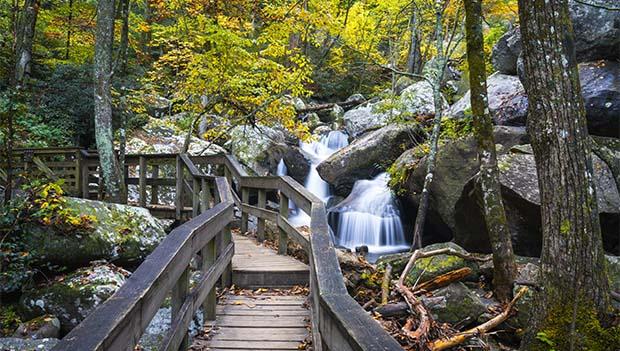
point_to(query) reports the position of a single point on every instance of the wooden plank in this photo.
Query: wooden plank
(179, 293)
(142, 182)
(293, 233)
(262, 203)
(265, 345)
(261, 334)
(283, 238)
(260, 213)
(272, 321)
(245, 198)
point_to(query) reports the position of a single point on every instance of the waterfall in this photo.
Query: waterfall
(281, 170)
(370, 216)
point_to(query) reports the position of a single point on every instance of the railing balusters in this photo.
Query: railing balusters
(283, 239)
(226, 239)
(178, 201)
(195, 197)
(155, 187)
(262, 203)
(179, 293)
(245, 199)
(209, 254)
(142, 181)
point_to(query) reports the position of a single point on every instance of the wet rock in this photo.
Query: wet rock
(506, 51)
(600, 88)
(125, 234)
(364, 118)
(521, 197)
(73, 298)
(507, 101)
(417, 100)
(296, 163)
(367, 156)
(458, 304)
(456, 163)
(47, 326)
(17, 344)
(336, 113)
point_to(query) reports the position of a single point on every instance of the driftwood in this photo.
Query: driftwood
(385, 284)
(459, 338)
(443, 280)
(344, 104)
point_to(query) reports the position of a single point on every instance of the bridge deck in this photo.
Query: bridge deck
(256, 266)
(263, 322)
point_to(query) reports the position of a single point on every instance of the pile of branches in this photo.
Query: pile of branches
(400, 310)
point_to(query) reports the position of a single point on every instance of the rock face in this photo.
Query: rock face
(75, 297)
(417, 100)
(122, 233)
(47, 326)
(455, 303)
(160, 136)
(521, 198)
(597, 36)
(507, 101)
(600, 88)
(296, 163)
(17, 344)
(456, 163)
(366, 156)
(363, 118)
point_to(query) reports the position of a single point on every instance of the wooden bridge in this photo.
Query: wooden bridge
(207, 192)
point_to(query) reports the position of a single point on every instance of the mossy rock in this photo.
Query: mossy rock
(121, 233)
(430, 267)
(75, 296)
(456, 304)
(46, 326)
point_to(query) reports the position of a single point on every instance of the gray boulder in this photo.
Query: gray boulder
(456, 163)
(121, 233)
(333, 114)
(76, 296)
(17, 344)
(367, 156)
(47, 326)
(507, 101)
(156, 106)
(417, 100)
(364, 118)
(597, 36)
(296, 163)
(521, 199)
(600, 88)
(455, 303)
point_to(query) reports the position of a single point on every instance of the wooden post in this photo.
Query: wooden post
(154, 187)
(262, 203)
(85, 180)
(227, 274)
(209, 254)
(195, 197)
(179, 294)
(283, 240)
(245, 199)
(178, 200)
(205, 195)
(142, 181)
(228, 175)
(78, 172)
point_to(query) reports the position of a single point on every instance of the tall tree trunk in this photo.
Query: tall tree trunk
(414, 57)
(24, 40)
(504, 270)
(8, 189)
(437, 100)
(124, 44)
(573, 274)
(103, 99)
(69, 30)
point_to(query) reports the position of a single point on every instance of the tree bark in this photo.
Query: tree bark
(69, 30)
(104, 38)
(504, 269)
(573, 273)
(124, 43)
(414, 57)
(24, 41)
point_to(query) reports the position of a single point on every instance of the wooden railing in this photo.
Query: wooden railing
(338, 321)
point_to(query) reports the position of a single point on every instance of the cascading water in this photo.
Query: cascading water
(370, 216)
(281, 170)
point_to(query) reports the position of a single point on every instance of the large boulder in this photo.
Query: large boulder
(417, 100)
(456, 303)
(456, 163)
(507, 101)
(46, 326)
(367, 156)
(163, 136)
(121, 233)
(251, 147)
(600, 88)
(597, 36)
(73, 298)
(364, 118)
(521, 197)
(297, 165)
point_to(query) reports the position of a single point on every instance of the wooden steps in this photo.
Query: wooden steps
(256, 266)
(263, 322)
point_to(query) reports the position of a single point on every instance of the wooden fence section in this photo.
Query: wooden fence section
(339, 323)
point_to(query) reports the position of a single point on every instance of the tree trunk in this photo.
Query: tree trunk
(24, 41)
(432, 155)
(574, 282)
(103, 99)
(414, 57)
(124, 44)
(69, 30)
(504, 270)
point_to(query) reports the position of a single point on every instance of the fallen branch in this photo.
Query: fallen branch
(459, 338)
(344, 104)
(615, 296)
(443, 280)
(385, 284)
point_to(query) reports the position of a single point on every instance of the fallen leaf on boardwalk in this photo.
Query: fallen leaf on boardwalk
(250, 305)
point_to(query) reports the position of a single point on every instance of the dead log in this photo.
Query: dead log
(321, 107)
(385, 284)
(443, 280)
(459, 338)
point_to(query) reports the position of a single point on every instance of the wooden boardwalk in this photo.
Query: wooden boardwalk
(256, 266)
(263, 322)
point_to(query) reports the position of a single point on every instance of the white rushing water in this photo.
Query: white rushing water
(370, 216)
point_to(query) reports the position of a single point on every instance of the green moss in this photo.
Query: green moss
(589, 334)
(565, 227)
(9, 320)
(453, 128)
